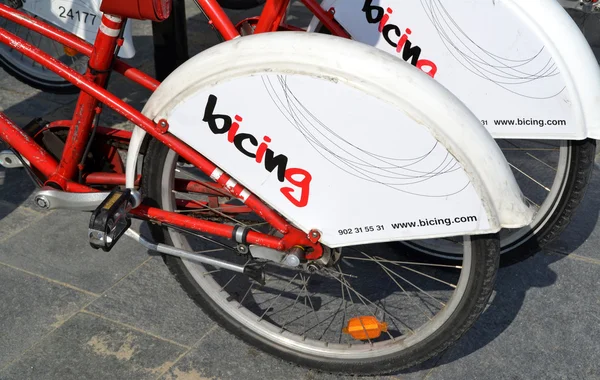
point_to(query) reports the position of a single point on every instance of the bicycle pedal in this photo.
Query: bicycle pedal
(110, 219)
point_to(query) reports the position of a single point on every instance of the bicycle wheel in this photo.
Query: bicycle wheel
(553, 176)
(376, 160)
(300, 315)
(31, 72)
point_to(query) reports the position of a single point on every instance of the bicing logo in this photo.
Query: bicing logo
(248, 145)
(396, 38)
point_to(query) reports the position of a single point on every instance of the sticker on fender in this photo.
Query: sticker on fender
(358, 170)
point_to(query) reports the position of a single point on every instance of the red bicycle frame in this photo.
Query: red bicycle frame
(102, 60)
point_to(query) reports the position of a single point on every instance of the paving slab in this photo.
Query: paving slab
(9, 82)
(14, 219)
(25, 105)
(222, 356)
(30, 308)
(86, 347)
(57, 247)
(543, 324)
(152, 300)
(16, 187)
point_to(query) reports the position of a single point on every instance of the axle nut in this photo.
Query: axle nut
(42, 202)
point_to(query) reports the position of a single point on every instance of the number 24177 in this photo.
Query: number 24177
(80, 16)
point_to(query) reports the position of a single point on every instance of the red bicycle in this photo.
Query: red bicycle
(552, 164)
(273, 206)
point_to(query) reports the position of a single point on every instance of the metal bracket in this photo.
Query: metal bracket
(252, 270)
(10, 160)
(50, 199)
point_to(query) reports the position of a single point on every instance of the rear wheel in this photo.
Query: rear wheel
(31, 72)
(553, 176)
(300, 315)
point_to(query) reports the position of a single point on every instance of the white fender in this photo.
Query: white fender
(417, 99)
(522, 66)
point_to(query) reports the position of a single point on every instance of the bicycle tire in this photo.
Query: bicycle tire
(292, 66)
(558, 210)
(483, 258)
(35, 75)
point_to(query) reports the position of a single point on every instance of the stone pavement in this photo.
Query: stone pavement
(70, 312)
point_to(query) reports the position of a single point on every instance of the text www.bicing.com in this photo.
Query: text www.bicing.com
(526, 122)
(434, 222)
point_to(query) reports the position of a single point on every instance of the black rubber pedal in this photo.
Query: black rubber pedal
(110, 220)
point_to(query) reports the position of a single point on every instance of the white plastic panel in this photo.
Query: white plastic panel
(348, 173)
(404, 148)
(523, 67)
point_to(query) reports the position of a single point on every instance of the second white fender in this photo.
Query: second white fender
(522, 67)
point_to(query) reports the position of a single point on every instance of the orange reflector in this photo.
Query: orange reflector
(365, 327)
(69, 51)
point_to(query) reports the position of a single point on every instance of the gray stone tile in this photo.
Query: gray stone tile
(220, 355)
(17, 104)
(16, 187)
(90, 348)
(57, 247)
(152, 300)
(14, 219)
(31, 308)
(543, 324)
(10, 82)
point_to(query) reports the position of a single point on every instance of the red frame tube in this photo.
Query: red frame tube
(326, 18)
(92, 92)
(272, 15)
(100, 178)
(204, 206)
(22, 143)
(218, 229)
(86, 109)
(76, 43)
(197, 187)
(217, 17)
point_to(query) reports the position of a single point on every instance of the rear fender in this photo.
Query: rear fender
(235, 72)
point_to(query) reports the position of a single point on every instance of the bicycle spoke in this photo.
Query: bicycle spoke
(426, 275)
(527, 150)
(387, 271)
(416, 287)
(270, 306)
(363, 298)
(228, 282)
(211, 209)
(196, 179)
(404, 262)
(528, 176)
